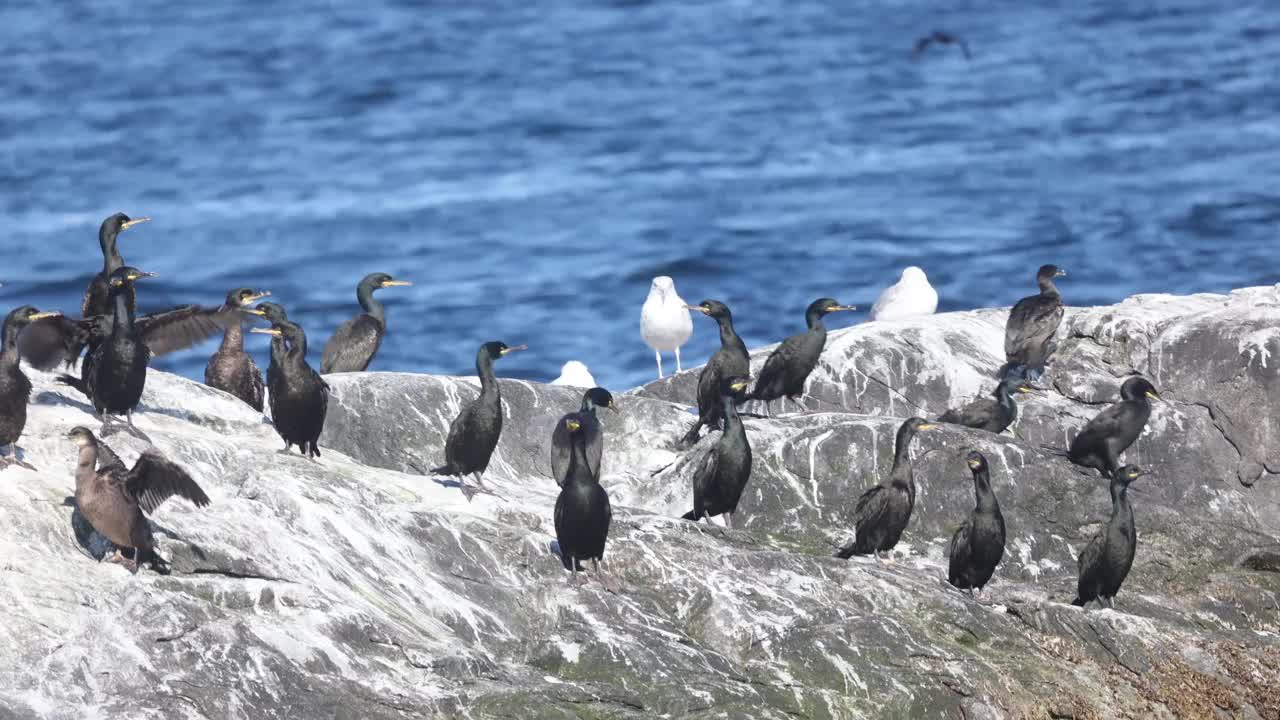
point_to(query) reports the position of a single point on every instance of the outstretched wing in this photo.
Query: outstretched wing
(353, 345)
(107, 458)
(46, 344)
(182, 327)
(154, 479)
(1031, 322)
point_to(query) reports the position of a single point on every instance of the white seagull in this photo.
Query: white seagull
(912, 296)
(575, 374)
(665, 324)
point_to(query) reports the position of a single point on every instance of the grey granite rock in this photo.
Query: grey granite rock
(360, 587)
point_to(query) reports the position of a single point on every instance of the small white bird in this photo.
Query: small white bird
(575, 374)
(912, 296)
(665, 324)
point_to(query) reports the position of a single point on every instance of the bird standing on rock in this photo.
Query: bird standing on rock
(724, 472)
(231, 369)
(1101, 442)
(665, 323)
(583, 513)
(113, 498)
(474, 434)
(298, 396)
(592, 435)
(789, 365)
(912, 296)
(730, 360)
(357, 340)
(978, 544)
(993, 414)
(882, 513)
(1105, 561)
(1033, 323)
(15, 388)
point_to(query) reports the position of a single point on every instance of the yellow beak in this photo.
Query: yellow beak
(515, 349)
(926, 426)
(573, 425)
(255, 298)
(136, 221)
(267, 331)
(43, 315)
(396, 283)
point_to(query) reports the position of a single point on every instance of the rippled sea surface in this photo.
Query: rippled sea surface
(531, 166)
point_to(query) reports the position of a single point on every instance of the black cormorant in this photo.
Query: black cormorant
(788, 367)
(231, 369)
(729, 361)
(1113, 430)
(97, 299)
(357, 340)
(883, 511)
(992, 414)
(582, 513)
(113, 498)
(941, 37)
(15, 388)
(117, 369)
(1032, 325)
(299, 398)
(474, 434)
(592, 435)
(1105, 561)
(978, 544)
(725, 470)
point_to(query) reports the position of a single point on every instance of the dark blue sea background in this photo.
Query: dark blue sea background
(531, 166)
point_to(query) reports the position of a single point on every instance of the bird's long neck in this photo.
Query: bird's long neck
(986, 499)
(9, 350)
(122, 319)
(728, 336)
(1121, 510)
(1047, 287)
(902, 451)
(297, 343)
(1004, 396)
(111, 260)
(577, 457)
(813, 318)
(732, 423)
(588, 406)
(86, 466)
(484, 368)
(233, 338)
(370, 304)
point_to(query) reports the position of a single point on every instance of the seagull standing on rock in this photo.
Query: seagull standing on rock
(912, 296)
(665, 323)
(575, 374)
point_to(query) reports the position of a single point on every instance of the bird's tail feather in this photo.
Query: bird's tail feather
(691, 515)
(691, 437)
(845, 552)
(1078, 602)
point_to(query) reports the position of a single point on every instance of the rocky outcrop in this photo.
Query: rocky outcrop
(358, 587)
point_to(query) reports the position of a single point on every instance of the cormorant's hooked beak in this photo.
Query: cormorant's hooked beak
(43, 315)
(974, 464)
(699, 308)
(141, 274)
(573, 425)
(614, 406)
(1060, 273)
(838, 308)
(254, 298)
(255, 311)
(517, 348)
(1153, 395)
(267, 331)
(396, 283)
(740, 386)
(136, 221)
(926, 426)
(1026, 389)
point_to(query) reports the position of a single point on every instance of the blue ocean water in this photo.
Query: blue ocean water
(531, 166)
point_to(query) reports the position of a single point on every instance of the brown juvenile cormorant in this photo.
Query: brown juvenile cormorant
(582, 512)
(1033, 323)
(978, 544)
(357, 340)
(15, 388)
(725, 470)
(1113, 430)
(729, 361)
(1105, 561)
(231, 369)
(474, 434)
(883, 511)
(788, 367)
(941, 37)
(113, 498)
(591, 431)
(117, 368)
(299, 398)
(992, 414)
